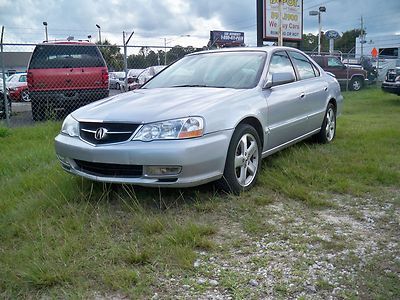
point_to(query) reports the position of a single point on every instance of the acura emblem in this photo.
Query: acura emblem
(100, 133)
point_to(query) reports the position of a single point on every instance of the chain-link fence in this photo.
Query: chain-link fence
(47, 81)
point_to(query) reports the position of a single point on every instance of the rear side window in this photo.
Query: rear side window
(304, 66)
(65, 56)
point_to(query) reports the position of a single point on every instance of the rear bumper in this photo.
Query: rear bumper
(391, 87)
(60, 98)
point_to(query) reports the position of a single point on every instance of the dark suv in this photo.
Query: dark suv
(63, 76)
(357, 78)
(392, 80)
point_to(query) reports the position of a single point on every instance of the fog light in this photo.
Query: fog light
(162, 170)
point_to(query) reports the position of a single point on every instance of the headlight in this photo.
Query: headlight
(70, 126)
(397, 78)
(172, 129)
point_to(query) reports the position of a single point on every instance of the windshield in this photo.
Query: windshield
(238, 70)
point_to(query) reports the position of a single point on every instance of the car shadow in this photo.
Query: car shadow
(146, 198)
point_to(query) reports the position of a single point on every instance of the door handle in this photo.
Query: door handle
(326, 89)
(302, 96)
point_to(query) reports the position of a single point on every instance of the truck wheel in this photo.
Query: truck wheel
(356, 84)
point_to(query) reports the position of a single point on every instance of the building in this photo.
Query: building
(15, 62)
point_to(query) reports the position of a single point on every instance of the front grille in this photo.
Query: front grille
(391, 77)
(109, 170)
(116, 132)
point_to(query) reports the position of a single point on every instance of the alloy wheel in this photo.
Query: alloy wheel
(330, 124)
(246, 160)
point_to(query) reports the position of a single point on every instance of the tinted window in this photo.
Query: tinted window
(304, 66)
(280, 63)
(239, 70)
(65, 56)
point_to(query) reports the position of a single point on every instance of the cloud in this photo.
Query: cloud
(152, 20)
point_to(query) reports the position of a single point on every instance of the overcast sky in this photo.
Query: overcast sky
(154, 20)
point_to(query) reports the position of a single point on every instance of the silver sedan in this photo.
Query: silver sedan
(211, 116)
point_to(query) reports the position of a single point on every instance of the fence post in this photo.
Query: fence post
(347, 72)
(6, 108)
(125, 62)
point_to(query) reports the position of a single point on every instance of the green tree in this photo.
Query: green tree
(112, 55)
(348, 40)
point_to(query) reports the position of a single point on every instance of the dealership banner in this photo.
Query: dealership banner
(292, 19)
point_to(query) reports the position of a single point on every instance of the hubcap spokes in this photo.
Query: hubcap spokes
(330, 125)
(246, 160)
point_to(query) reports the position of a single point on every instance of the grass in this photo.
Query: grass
(65, 237)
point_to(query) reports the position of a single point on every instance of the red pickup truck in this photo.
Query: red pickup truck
(356, 78)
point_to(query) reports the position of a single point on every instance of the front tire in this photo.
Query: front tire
(328, 128)
(117, 86)
(243, 160)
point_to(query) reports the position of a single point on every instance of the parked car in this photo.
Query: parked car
(392, 81)
(2, 105)
(63, 76)
(115, 79)
(356, 77)
(145, 76)
(18, 87)
(131, 77)
(212, 115)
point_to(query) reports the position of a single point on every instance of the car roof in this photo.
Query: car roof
(246, 49)
(69, 43)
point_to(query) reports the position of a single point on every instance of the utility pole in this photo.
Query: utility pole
(99, 28)
(362, 37)
(280, 37)
(45, 31)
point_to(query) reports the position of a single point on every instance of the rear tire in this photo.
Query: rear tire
(243, 160)
(328, 128)
(25, 96)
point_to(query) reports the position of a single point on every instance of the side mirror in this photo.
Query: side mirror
(279, 78)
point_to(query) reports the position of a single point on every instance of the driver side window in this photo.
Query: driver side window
(280, 63)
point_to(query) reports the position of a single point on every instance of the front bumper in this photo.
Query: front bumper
(391, 87)
(202, 159)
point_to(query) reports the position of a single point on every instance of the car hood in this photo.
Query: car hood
(151, 105)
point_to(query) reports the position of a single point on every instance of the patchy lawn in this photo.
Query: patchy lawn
(323, 220)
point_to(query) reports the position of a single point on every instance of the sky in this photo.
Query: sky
(153, 21)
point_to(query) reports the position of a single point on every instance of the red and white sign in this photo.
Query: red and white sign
(292, 19)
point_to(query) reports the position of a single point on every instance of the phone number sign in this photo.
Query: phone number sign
(292, 19)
